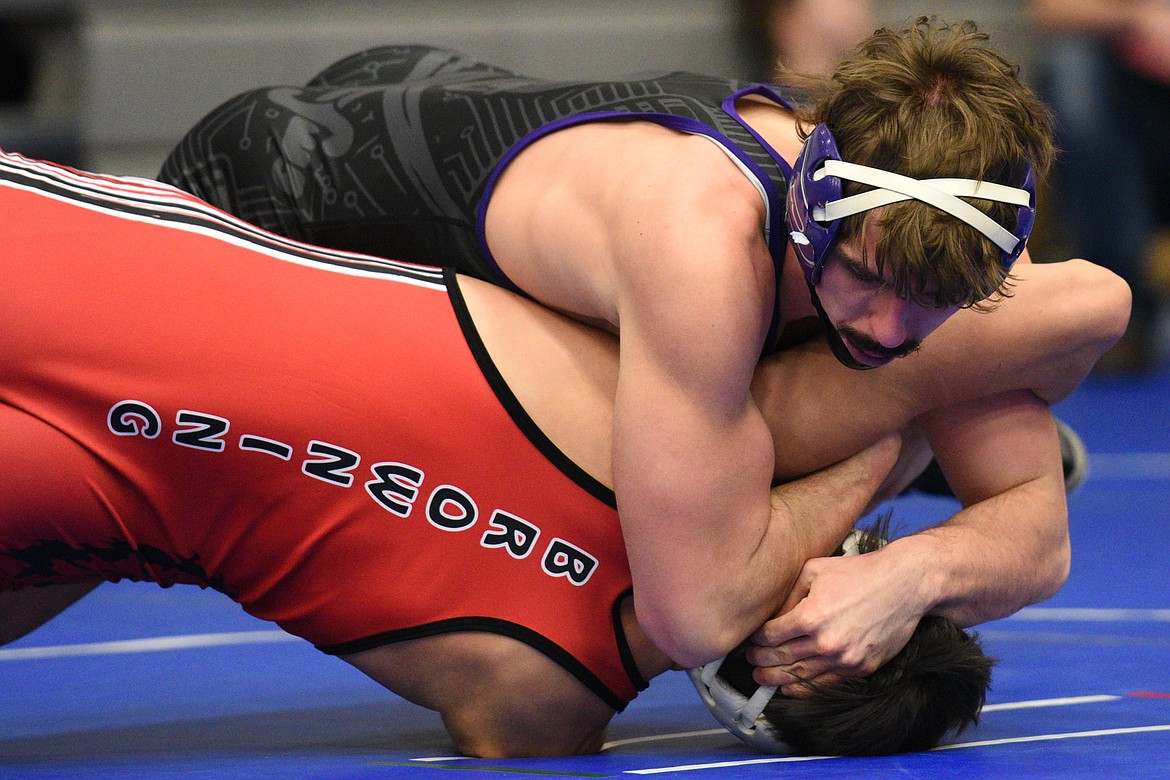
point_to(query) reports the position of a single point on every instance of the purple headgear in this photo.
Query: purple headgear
(815, 204)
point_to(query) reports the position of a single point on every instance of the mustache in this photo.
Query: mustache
(866, 344)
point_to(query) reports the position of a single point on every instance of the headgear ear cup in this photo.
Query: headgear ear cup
(740, 714)
(810, 190)
(1025, 219)
(810, 239)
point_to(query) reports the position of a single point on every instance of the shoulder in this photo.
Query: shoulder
(689, 238)
(683, 191)
(1090, 300)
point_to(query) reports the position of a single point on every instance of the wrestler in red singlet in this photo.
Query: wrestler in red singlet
(185, 398)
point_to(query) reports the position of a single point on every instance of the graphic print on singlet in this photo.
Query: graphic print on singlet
(393, 150)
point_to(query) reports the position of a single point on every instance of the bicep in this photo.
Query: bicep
(693, 299)
(990, 445)
(690, 450)
(692, 455)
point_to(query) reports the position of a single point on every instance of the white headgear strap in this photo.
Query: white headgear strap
(743, 715)
(739, 714)
(943, 194)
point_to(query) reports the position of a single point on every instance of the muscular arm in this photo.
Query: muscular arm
(1046, 338)
(1006, 549)
(663, 245)
(971, 393)
(1009, 546)
(711, 554)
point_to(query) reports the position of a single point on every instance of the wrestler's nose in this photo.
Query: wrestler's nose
(889, 320)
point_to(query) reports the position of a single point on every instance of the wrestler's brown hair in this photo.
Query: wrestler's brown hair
(935, 686)
(933, 101)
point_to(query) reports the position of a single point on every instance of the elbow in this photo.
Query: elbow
(690, 635)
(1094, 306)
(1103, 305)
(1115, 319)
(1058, 565)
(1050, 577)
(1051, 566)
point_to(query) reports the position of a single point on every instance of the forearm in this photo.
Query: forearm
(821, 510)
(1009, 546)
(713, 551)
(702, 585)
(988, 561)
(1006, 549)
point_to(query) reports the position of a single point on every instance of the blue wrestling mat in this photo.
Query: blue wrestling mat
(136, 681)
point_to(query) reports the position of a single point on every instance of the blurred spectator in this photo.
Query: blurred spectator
(1105, 69)
(34, 121)
(806, 36)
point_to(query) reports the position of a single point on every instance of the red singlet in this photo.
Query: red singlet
(185, 398)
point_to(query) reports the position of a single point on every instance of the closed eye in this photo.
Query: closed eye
(863, 274)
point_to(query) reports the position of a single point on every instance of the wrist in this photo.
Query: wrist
(917, 563)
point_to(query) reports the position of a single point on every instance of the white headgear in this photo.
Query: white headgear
(740, 714)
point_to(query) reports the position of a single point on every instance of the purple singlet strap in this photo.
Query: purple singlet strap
(773, 202)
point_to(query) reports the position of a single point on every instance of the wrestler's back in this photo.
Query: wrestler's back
(211, 397)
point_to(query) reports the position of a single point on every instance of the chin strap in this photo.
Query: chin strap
(836, 344)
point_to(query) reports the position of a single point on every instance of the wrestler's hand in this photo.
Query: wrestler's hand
(846, 616)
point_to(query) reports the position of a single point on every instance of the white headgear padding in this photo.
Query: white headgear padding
(743, 715)
(739, 714)
(943, 194)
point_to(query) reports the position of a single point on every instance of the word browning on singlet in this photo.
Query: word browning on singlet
(396, 486)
